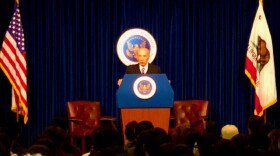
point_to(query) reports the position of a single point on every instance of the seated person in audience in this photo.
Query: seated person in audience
(206, 144)
(274, 147)
(258, 143)
(106, 140)
(37, 149)
(213, 127)
(172, 149)
(226, 148)
(4, 144)
(130, 136)
(241, 141)
(149, 141)
(229, 131)
(254, 124)
(142, 126)
(61, 141)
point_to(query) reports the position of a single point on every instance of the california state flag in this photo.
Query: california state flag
(259, 65)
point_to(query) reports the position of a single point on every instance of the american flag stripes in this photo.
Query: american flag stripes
(13, 62)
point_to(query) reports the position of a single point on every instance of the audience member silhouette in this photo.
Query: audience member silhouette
(258, 143)
(180, 130)
(206, 144)
(130, 136)
(254, 124)
(213, 127)
(61, 141)
(106, 139)
(225, 148)
(274, 147)
(149, 141)
(241, 141)
(144, 139)
(4, 144)
(228, 131)
(38, 149)
(142, 126)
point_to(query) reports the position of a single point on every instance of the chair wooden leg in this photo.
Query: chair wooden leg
(83, 142)
(72, 140)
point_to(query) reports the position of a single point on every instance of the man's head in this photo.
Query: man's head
(142, 56)
(229, 131)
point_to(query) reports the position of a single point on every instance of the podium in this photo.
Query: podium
(145, 97)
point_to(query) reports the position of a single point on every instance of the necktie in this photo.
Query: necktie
(143, 71)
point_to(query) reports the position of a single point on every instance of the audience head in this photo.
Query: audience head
(40, 150)
(61, 122)
(225, 148)
(56, 134)
(60, 140)
(103, 137)
(191, 137)
(46, 142)
(182, 150)
(259, 141)
(228, 131)
(173, 149)
(151, 140)
(241, 141)
(4, 144)
(254, 124)
(213, 127)
(166, 149)
(113, 150)
(207, 143)
(266, 128)
(130, 130)
(142, 126)
(180, 130)
(274, 147)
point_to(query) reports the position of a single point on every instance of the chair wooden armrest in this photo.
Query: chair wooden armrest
(75, 120)
(110, 119)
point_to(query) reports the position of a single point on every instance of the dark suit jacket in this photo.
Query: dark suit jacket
(134, 69)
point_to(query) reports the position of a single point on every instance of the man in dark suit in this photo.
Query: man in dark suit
(142, 56)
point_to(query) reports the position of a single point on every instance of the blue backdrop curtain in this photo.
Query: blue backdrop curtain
(71, 53)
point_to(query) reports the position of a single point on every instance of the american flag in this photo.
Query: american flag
(13, 63)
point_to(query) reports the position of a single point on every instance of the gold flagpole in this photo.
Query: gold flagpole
(17, 114)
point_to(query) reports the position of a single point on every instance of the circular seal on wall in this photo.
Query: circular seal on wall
(144, 87)
(133, 39)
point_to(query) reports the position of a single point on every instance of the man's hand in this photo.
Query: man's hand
(119, 82)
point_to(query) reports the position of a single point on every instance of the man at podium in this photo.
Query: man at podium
(142, 56)
(144, 97)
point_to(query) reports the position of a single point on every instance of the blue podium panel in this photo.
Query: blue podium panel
(128, 96)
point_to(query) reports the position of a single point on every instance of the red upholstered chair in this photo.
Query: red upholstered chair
(192, 112)
(84, 117)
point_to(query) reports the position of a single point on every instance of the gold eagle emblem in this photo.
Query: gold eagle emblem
(144, 88)
(131, 49)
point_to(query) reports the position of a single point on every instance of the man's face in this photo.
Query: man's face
(142, 57)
